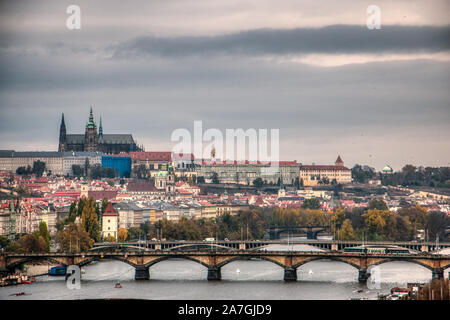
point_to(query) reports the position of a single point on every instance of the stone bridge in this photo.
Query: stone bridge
(329, 245)
(215, 260)
(311, 231)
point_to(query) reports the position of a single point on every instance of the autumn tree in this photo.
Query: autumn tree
(375, 221)
(435, 290)
(337, 219)
(32, 243)
(89, 220)
(122, 235)
(74, 239)
(346, 231)
(109, 239)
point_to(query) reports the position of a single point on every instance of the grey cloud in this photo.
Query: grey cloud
(330, 39)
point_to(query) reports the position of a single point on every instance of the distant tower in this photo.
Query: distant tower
(90, 135)
(281, 191)
(100, 129)
(339, 162)
(84, 190)
(62, 136)
(101, 146)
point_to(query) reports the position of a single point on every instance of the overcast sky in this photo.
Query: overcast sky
(309, 68)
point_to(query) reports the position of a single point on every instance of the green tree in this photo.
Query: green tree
(313, 204)
(38, 168)
(136, 232)
(77, 170)
(215, 178)
(43, 231)
(72, 213)
(258, 182)
(104, 204)
(437, 223)
(378, 204)
(4, 242)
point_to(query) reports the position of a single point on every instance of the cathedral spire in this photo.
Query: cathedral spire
(100, 129)
(91, 123)
(62, 135)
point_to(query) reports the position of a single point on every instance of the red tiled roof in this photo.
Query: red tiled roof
(109, 211)
(100, 195)
(141, 186)
(235, 162)
(323, 167)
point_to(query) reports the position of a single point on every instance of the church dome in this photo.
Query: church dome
(387, 169)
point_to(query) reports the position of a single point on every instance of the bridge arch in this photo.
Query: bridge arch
(400, 259)
(20, 262)
(297, 265)
(237, 258)
(153, 262)
(92, 259)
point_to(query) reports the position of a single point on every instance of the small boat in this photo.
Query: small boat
(118, 285)
(238, 271)
(19, 294)
(57, 271)
(310, 271)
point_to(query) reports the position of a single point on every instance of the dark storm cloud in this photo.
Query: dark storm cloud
(330, 39)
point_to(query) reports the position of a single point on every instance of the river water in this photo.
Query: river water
(179, 279)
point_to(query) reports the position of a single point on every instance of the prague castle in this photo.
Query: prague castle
(93, 141)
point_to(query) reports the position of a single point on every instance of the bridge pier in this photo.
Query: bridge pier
(214, 273)
(438, 274)
(142, 273)
(290, 274)
(363, 275)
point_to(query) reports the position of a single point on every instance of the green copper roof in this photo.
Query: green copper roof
(91, 123)
(161, 174)
(387, 168)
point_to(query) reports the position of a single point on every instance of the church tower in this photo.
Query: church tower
(90, 135)
(339, 162)
(62, 136)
